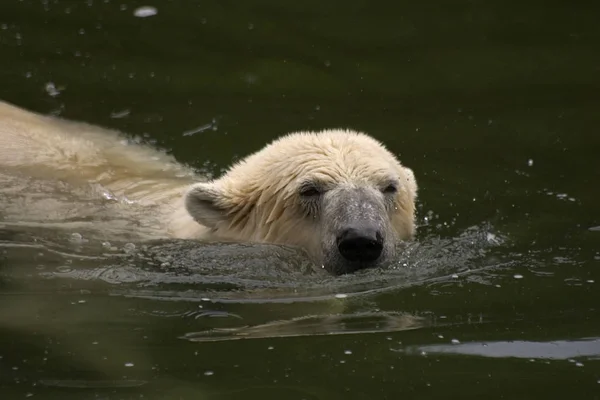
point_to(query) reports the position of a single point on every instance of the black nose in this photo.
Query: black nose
(360, 244)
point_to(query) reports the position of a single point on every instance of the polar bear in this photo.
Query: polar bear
(338, 194)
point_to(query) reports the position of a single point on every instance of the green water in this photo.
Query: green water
(493, 104)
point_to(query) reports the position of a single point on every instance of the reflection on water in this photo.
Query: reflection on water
(331, 324)
(555, 350)
(213, 276)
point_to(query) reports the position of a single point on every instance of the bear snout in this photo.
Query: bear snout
(361, 245)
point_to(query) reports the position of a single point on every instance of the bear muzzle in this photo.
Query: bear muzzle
(360, 245)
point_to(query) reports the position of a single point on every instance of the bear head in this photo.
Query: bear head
(339, 194)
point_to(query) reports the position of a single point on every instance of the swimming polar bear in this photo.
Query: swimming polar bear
(338, 194)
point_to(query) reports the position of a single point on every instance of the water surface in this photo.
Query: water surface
(493, 105)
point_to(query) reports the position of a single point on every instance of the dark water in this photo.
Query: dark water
(493, 104)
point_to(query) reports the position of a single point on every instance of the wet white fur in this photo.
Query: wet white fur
(256, 200)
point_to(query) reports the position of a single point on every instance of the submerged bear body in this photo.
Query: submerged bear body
(338, 194)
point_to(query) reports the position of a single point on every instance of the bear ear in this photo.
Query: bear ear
(204, 202)
(411, 181)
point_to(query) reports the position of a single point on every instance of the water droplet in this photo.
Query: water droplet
(129, 247)
(76, 238)
(51, 89)
(200, 129)
(145, 11)
(120, 114)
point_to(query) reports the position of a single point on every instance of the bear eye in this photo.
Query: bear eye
(390, 189)
(309, 191)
